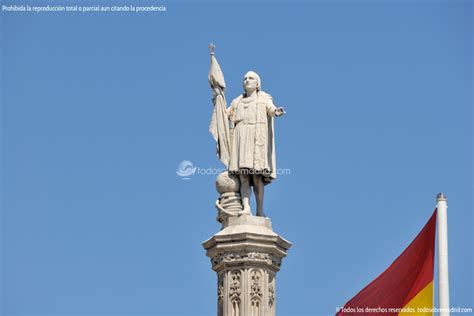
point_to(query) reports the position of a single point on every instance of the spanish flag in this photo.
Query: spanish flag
(406, 286)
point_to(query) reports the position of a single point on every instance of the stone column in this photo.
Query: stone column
(246, 255)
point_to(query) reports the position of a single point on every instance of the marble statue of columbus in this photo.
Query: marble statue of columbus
(252, 147)
(244, 133)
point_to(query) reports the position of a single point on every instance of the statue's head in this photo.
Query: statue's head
(252, 81)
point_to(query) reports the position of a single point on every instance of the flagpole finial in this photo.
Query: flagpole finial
(212, 48)
(441, 197)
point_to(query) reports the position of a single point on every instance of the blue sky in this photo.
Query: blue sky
(98, 110)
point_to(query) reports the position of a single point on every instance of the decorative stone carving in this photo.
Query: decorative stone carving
(242, 256)
(220, 290)
(271, 295)
(256, 285)
(235, 288)
(220, 293)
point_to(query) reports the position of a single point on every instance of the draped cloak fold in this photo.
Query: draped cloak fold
(219, 126)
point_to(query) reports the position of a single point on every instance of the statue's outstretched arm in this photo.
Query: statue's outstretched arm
(272, 110)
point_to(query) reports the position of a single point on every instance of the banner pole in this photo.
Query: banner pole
(443, 275)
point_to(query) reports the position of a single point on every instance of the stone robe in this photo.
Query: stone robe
(252, 142)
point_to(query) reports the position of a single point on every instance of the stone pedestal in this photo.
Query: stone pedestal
(246, 255)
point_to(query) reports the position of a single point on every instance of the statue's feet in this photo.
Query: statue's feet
(261, 213)
(246, 210)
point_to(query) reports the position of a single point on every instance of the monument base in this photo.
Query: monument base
(246, 255)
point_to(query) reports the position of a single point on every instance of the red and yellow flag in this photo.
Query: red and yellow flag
(406, 287)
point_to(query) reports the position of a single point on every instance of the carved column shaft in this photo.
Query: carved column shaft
(247, 291)
(246, 255)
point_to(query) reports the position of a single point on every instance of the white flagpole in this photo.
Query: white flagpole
(443, 276)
